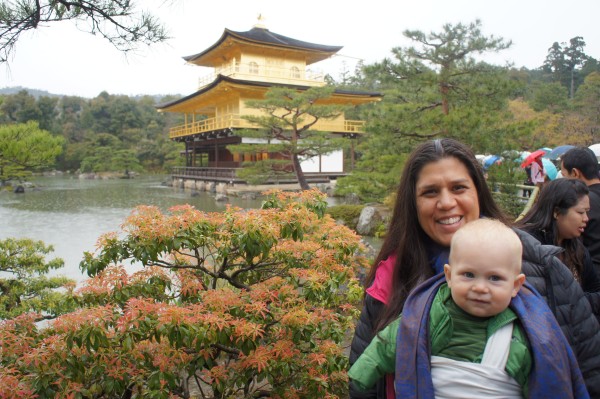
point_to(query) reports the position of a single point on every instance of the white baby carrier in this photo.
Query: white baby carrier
(453, 379)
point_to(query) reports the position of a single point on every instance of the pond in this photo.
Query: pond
(70, 213)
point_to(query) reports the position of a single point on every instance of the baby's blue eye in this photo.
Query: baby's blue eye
(469, 275)
(495, 278)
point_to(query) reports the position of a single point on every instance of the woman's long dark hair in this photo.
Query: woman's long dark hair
(557, 196)
(406, 238)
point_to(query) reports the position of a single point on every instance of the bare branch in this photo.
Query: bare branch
(118, 21)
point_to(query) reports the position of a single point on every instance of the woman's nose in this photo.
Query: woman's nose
(446, 200)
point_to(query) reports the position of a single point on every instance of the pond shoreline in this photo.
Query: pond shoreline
(71, 213)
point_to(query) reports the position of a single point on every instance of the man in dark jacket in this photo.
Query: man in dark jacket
(557, 286)
(581, 163)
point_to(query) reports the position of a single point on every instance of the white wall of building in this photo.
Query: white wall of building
(332, 162)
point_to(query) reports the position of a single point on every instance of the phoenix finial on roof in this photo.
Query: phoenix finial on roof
(260, 23)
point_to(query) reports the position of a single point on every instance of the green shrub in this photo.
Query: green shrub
(502, 181)
(346, 213)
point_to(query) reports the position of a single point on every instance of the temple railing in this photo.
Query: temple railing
(224, 174)
(228, 175)
(235, 121)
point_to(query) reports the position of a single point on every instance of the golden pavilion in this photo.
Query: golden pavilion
(246, 65)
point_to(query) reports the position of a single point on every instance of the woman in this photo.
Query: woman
(537, 172)
(559, 217)
(441, 189)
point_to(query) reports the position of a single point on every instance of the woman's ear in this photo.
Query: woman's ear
(555, 213)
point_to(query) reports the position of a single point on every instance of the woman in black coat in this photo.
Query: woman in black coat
(559, 217)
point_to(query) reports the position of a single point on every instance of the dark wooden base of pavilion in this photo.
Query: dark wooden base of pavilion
(228, 176)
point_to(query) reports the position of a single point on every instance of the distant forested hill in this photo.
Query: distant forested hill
(43, 93)
(33, 92)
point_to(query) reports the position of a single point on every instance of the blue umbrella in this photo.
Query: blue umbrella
(558, 151)
(549, 168)
(490, 160)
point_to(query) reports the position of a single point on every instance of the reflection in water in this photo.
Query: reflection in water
(71, 214)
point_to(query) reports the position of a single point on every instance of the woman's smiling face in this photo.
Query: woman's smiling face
(446, 199)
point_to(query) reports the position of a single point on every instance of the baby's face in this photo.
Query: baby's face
(483, 281)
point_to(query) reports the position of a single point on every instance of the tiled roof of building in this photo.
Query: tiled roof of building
(222, 78)
(265, 36)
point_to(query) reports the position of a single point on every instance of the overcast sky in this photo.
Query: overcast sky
(61, 59)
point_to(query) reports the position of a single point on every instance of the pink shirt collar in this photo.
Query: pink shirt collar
(382, 285)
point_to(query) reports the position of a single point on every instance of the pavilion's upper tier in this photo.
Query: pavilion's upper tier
(261, 55)
(260, 40)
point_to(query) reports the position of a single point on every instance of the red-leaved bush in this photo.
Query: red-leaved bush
(238, 304)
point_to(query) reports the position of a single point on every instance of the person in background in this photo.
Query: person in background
(528, 182)
(581, 163)
(441, 189)
(536, 172)
(559, 217)
(477, 345)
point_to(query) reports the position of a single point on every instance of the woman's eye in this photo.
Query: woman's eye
(429, 193)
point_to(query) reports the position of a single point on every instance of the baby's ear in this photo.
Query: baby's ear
(447, 273)
(519, 281)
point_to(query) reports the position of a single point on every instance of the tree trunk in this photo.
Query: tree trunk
(352, 155)
(571, 92)
(444, 93)
(299, 174)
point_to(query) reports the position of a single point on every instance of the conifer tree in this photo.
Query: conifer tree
(436, 88)
(287, 121)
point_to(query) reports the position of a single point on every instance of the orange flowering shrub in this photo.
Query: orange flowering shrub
(238, 304)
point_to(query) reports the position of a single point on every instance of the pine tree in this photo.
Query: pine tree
(287, 129)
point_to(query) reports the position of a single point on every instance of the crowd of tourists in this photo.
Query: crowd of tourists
(462, 302)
